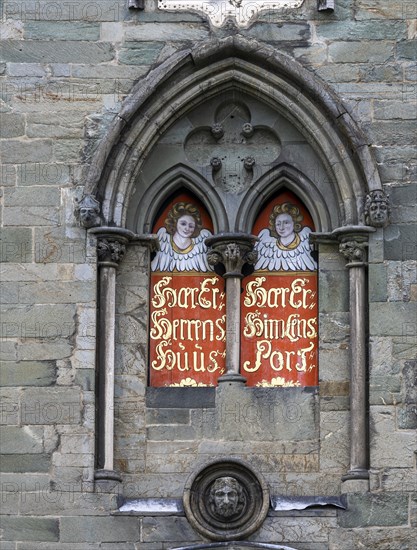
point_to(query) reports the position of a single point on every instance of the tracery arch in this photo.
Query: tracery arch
(190, 78)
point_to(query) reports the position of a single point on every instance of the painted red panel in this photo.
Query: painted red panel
(188, 315)
(279, 302)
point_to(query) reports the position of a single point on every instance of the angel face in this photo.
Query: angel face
(186, 226)
(284, 225)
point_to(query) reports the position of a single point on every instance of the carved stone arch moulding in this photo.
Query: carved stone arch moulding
(193, 76)
(324, 211)
(180, 177)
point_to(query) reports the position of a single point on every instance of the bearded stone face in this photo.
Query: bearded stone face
(224, 496)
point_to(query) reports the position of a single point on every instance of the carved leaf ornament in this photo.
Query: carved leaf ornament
(218, 11)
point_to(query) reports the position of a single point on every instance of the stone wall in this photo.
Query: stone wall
(65, 69)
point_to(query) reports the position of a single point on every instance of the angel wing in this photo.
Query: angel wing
(168, 259)
(273, 258)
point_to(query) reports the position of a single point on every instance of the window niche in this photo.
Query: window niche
(279, 305)
(187, 337)
(320, 155)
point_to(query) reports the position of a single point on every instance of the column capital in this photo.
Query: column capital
(353, 245)
(233, 251)
(111, 244)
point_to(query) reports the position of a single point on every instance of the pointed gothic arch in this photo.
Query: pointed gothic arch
(235, 64)
(178, 177)
(324, 212)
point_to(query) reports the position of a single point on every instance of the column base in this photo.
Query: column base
(107, 481)
(232, 377)
(355, 481)
(107, 475)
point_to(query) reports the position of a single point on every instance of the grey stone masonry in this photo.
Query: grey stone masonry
(99, 100)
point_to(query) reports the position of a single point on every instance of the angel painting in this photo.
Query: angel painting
(284, 246)
(181, 241)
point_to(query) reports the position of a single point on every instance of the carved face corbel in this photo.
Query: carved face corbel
(377, 209)
(87, 211)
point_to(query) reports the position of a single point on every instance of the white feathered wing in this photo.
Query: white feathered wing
(272, 258)
(167, 259)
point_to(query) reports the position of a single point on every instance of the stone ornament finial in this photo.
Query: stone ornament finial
(87, 211)
(377, 209)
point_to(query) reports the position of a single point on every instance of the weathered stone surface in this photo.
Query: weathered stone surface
(407, 50)
(16, 245)
(389, 448)
(32, 529)
(38, 321)
(172, 529)
(29, 196)
(384, 539)
(172, 31)
(31, 215)
(56, 51)
(65, 30)
(12, 125)
(334, 451)
(105, 529)
(378, 288)
(400, 243)
(334, 327)
(390, 319)
(263, 414)
(283, 31)
(291, 531)
(167, 416)
(50, 406)
(360, 52)
(52, 173)
(364, 30)
(25, 463)
(375, 510)
(141, 53)
(333, 291)
(9, 409)
(21, 440)
(56, 125)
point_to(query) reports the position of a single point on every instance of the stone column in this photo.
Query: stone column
(230, 252)
(353, 245)
(111, 247)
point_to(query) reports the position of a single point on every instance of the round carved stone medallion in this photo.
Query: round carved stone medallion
(226, 500)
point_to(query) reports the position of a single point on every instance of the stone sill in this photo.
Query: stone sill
(290, 507)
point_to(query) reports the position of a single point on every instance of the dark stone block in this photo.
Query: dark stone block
(31, 529)
(180, 398)
(167, 529)
(167, 416)
(407, 418)
(25, 463)
(400, 242)
(369, 510)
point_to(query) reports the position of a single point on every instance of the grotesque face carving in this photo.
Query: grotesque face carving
(226, 497)
(87, 211)
(377, 209)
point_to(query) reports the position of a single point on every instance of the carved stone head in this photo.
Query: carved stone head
(225, 497)
(377, 209)
(87, 211)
